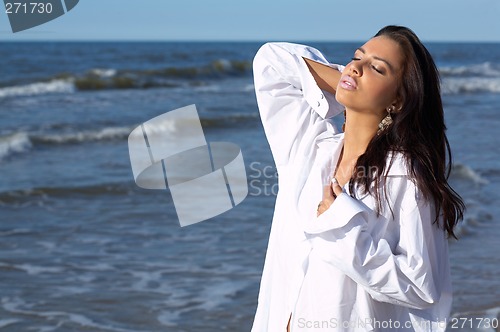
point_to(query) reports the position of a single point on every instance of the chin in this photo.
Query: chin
(342, 99)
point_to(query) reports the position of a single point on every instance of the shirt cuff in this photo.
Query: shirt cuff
(342, 210)
(324, 103)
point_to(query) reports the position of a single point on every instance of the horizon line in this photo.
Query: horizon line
(230, 41)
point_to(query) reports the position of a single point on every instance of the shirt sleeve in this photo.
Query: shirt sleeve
(290, 102)
(407, 274)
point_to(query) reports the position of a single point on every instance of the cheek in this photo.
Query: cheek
(384, 94)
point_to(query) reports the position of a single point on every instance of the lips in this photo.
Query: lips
(348, 83)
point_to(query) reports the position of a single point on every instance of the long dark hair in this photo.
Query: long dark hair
(418, 131)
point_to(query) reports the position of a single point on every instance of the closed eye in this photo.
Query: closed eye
(372, 66)
(377, 70)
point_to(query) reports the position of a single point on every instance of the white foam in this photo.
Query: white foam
(462, 171)
(84, 136)
(208, 88)
(72, 290)
(223, 64)
(54, 86)
(34, 269)
(215, 295)
(103, 72)
(471, 84)
(480, 69)
(16, 231)
(14, 143)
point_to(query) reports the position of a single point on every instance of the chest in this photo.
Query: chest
(320, 174)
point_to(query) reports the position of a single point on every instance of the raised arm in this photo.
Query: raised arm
(291, 102)
(326, 77)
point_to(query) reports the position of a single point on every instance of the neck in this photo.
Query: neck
(359, 130)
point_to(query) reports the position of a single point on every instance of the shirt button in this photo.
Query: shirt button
(319, 103)
(322, 96)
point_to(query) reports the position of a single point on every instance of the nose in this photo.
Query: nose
(356, 68)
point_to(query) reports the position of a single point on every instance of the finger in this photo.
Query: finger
(336, 188)
(323, 206)
(321, 209)
(327, 192)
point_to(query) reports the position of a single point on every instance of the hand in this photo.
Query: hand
(330, 193)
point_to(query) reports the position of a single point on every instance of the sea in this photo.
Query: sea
(83, 248)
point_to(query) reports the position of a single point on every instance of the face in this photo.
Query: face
(369, 83)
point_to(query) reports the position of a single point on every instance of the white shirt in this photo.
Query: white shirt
(346, 270)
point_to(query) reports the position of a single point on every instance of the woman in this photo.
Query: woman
(359, 234)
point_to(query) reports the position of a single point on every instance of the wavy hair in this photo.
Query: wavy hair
(418, 131)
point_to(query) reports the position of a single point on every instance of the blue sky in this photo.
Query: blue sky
(263, 20)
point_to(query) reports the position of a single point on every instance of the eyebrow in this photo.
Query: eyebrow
(362, 50)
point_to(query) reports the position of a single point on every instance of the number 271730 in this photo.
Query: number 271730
(28, 8)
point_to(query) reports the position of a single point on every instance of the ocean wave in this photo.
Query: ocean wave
(32, 269)
(470, 85)
(464, 172)
(20, 197)
(43, 196)
(103, 72)
(482, 77)
(19, 142)
(38, 88)
(473, 218)
(162, 77)
(230, 120)
(108, 133)
(121, 133)
(110, 78)
(14, 143)
(486, 69)
(17, 231)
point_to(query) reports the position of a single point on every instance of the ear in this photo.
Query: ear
(397, 105)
